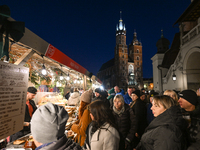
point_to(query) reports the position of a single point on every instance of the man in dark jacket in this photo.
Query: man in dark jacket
(30, 109)
(139, 108)
(48, 128)
(189, 102)
(127, 98)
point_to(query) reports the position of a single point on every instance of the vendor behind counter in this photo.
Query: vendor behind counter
(30, 109)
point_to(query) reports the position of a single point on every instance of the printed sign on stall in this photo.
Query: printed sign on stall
(55, 54)
(13, 89)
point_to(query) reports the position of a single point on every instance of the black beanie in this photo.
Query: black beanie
(98, 90)
(32, 90)
(189, 96)
(136, 92)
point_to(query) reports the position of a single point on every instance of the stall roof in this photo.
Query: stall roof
(32, 41)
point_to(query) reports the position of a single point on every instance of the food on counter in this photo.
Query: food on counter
(54, 98)
(17, 142)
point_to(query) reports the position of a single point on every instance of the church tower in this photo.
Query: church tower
(135, 53)
(121, 55)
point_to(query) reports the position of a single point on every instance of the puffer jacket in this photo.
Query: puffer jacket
(165, 132)
(126, 124)
(104, 138)
(74, 99)
(62, 144)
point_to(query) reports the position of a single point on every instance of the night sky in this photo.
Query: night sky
(85, 29)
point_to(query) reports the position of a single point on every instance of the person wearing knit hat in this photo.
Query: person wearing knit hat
(48, 128)
(188, 100)
(74, 99)
(84, 117)
(140, 110)
(97, 93)
(111, 95)
(29, 111)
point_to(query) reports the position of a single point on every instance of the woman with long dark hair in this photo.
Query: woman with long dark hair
(101, 133)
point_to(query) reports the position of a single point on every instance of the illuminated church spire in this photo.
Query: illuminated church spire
(121, 26)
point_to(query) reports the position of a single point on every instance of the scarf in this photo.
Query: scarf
(119, 112)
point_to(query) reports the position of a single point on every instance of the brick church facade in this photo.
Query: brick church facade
(126, 67)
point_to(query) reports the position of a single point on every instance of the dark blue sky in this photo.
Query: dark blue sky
(85, 29)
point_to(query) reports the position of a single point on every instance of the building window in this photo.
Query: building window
(137, 51)
(138, 63)
(122, 56)
(123, 68)
(123, 62)
(138, 58)
(130, 69)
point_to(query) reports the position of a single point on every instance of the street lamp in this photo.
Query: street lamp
(174, 77)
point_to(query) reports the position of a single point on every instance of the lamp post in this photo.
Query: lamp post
(174, 77)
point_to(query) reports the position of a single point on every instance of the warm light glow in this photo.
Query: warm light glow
(61, 78)
(145, 86)
(174, 77)
(67, 78)
(44, 72)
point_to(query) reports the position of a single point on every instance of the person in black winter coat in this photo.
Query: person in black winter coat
(191, 112)
(125, 120)
(167, 130)
(140, 111)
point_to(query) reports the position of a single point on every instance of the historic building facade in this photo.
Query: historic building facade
(126, 66)
(178, 67)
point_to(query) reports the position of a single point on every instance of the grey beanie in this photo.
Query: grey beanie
(48, 123)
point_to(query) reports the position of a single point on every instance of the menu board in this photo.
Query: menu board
(13, 90)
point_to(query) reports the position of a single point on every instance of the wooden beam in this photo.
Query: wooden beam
(25, 57)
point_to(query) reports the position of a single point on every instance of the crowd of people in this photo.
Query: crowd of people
(115, 120)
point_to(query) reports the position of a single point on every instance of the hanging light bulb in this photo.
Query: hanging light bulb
(44, 71)
(81, 80)
(74, 81)
(78, 81)
(68, 77)
(61, 77)
(174, 77)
